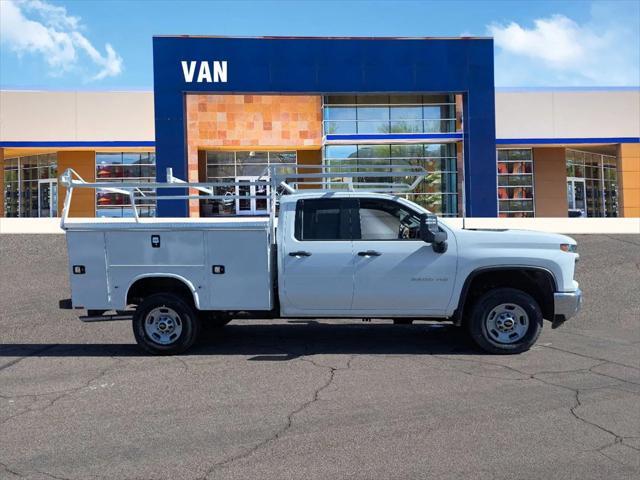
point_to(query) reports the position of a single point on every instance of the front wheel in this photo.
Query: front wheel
(165, 324)
(505, 320)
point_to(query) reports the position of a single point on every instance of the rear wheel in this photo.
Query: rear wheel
(505, 320)
(165, 324)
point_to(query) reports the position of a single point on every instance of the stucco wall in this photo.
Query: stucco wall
(129, 116)
(76, 116)
(568, 114)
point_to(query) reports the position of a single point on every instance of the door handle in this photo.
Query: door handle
(369, 253)
(300, 254)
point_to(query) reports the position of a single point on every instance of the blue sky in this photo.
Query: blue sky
(102, 45)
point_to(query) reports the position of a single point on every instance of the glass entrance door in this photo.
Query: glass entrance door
(576, 197)
(48, 198)
(251, 206)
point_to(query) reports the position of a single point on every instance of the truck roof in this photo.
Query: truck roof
(299, 195)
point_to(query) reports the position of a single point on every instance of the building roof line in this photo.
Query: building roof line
(603, 88)
(293, 37)
(498, 89)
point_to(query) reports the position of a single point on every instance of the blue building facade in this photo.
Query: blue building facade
(374, 93)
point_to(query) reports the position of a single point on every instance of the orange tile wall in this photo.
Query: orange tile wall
(84, 199)
(629, 179)
(550, 181)
(247, 122)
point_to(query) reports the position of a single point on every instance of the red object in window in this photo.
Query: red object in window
(104, 200)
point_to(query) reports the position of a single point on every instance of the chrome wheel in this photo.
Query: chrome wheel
(163, 325)
(507, 323)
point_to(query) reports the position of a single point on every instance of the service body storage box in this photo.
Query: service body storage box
(224, 262)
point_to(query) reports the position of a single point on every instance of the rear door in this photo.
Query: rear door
(317, 258)
(396, 273)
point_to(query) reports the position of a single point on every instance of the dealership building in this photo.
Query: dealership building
(226, 108)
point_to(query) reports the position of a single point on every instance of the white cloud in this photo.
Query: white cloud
(557, 40)
(40, 28)
(556, 50)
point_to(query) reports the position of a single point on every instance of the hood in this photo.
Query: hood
(510, 238)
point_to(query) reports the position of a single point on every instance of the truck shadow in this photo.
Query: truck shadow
(283, 341)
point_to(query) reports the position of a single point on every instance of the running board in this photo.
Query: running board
(105, 318)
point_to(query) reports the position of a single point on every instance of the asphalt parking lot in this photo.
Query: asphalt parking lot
(301, 399)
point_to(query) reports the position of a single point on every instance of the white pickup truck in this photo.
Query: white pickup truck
(334, 254)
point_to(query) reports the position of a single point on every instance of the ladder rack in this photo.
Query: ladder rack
(277, 179)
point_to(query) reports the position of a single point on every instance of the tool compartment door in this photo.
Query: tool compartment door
(132, 254)
(239, 271)
(88, 289)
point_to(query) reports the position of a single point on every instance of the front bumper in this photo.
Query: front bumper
(566, 305)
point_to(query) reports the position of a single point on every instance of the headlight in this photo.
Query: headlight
(568, 247)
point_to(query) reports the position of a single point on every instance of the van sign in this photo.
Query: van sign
(207, 72)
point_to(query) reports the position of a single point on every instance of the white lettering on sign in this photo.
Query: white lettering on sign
(204, 75)
(208, 72)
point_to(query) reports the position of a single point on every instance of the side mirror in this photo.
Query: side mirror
(430, 233)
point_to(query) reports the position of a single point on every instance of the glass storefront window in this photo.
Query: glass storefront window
(119, 167)
(515, 182)
(231, 166)
(30, 185)
(437, 192)
(380, 114)
(341, 151)
(598, 173)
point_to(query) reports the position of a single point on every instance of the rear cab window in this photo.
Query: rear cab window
(323, 219)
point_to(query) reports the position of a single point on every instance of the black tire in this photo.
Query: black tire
(483, 329)
(186, 318)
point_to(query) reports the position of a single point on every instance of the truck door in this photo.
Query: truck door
(317, 258)
(396, 273)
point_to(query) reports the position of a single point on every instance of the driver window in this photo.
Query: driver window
(387, 220)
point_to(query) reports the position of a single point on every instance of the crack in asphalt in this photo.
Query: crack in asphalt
(9, 470)
(617, 439)
(590, 357)
(60, 395)
(289, 419)
(51, 475)
(31, 354)
(567, 331)
(306, 355)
